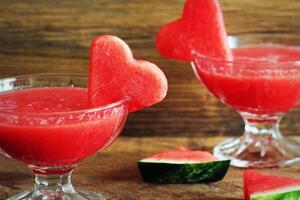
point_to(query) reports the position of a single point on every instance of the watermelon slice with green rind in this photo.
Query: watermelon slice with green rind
(260, 186)
(114, 74)
(201, 28)
(183, 166)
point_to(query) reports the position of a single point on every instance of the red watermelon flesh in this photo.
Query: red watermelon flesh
(201, 28)
(114, 74)
(258, 183)
(181, 155)
(183, 166)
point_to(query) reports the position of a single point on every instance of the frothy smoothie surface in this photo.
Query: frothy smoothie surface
(44, 100)
(267, 53)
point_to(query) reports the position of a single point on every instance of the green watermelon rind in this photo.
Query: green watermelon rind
(203, 172)
(291, 195)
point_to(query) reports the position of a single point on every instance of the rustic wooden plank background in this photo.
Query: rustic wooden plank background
(54, 35)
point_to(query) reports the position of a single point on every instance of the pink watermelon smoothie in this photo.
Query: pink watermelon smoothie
(47, 127)
(261, 80)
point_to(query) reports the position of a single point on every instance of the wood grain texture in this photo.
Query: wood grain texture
(54, 35)
(114, 173)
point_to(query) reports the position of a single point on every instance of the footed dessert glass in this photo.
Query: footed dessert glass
(46, 123)
(261, 82)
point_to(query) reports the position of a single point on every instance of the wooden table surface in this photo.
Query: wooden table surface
(114, 173)
(54, 35)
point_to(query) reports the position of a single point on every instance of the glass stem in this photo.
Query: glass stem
(265, 126)
(261, 130)
(53, 185)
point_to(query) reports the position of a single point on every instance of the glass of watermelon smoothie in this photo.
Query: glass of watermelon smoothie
(262, 83)
(47, 124)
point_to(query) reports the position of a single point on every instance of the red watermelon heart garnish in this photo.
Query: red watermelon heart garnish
(114, 74)
(201, 28)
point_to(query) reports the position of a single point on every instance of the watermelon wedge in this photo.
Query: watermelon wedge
(260, 186)
(182, 166)
(201, 28)
(115, 74)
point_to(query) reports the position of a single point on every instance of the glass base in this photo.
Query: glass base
(258, 151)
(32, 195)
(55, 187)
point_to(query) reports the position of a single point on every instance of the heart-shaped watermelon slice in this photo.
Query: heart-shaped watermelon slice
(114, 74)
(260, 186)
(201, 28)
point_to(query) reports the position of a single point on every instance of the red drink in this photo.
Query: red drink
(262, 79)
(53, 127)
(261, 83)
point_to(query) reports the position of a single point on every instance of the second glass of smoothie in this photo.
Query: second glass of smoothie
(262, 83)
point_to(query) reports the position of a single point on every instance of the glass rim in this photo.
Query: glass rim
(123, 101)
(195, 54)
